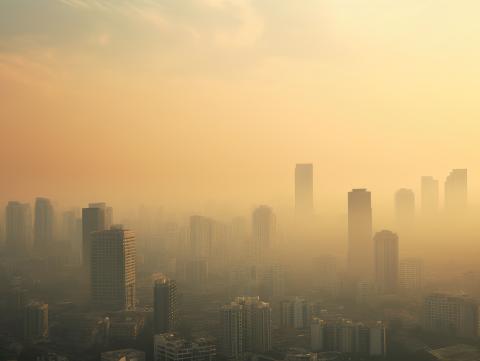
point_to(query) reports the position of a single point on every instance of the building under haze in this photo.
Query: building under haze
(35, 321)
(304, 189)
(164, 305)
(263, 233)
(360, 244)
(410, 275)
(201, 236)
(171, 347)
(246, 327)
(325, 275)
(113, 269)
(18, 228)
(429, 196)
(456, 191)
(386, 262)
(405, 208)
(43, 225)
(93, 220)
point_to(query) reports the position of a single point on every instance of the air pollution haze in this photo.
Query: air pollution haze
(243, 180)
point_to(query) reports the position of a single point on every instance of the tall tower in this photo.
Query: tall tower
(429, 201)
(304, 189)
(386, 262)
(360, 244)
(456, 191)
(405, 208)
(263, 232)
(18, 227)
(112, 269)
(164, 305)
(43, 226)
(93, 220)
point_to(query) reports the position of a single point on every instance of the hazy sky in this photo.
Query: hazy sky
(218, 99)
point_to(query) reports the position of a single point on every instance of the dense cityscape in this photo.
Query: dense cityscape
(77, 285)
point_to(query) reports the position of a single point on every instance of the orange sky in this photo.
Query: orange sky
(197, 100)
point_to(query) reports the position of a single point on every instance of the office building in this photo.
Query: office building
(456, 191)
(360, 244)
(263, 233)
(112, 269)
(304, 189)
(171, 347)
(164, 305)
(35, 321)
(451, 315)
(429, 196)
(410, 275)
(43, 226)
(386, 262)
(18, 228)
(405, 208)
(93, 220)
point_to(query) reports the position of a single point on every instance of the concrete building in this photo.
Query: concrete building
(171, 347)
(113, 267)
(164, 305)
(410, 275)
(43, 226)
(360, 245)
(18, 228)
(386, 262)
(294, 313)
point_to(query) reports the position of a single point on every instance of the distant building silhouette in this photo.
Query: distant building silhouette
(325, 275)
(18, 228)
(405, 208)
(429, 196)
(201, 236)
(456, 191)
(360, 244)
(263, 232)
(35, 321)
(386, 262)
(304, 189)
(113, 269)
(93, 220)
(164, 305)
(410, 275)
(43, 226)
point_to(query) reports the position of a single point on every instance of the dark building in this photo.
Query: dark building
(164, 305)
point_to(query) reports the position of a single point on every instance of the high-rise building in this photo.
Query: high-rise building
(456, 191)
(429, 193)
(246, 327)
(18, 227)
(386, 262)
(304, 189)
(164, 305)
(93, 220)
(452, 315)
(112, 269)
(263, 233)
(35, 321)
(294, 313)
(342, 335)
(43, 225)
(201, 236)
(171, 347)
(410, 275)
(405, 208)
(360, 244)
(325, 275)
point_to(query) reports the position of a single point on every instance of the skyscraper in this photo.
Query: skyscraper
(263, 232)
(360, 244)
(164, 305)
(429, 194)
(386, 262)
(405, 208)
(304, 189)
(18, 227)
(112, 269)
(93, 220)
(43, 226)
(456, 191)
